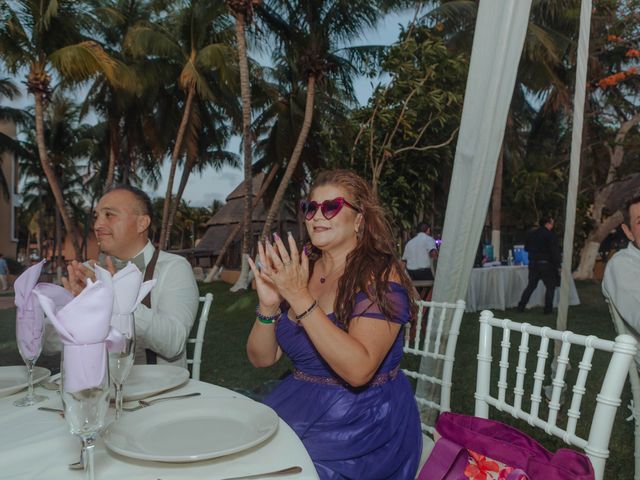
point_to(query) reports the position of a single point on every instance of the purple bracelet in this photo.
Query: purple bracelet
(266, 319)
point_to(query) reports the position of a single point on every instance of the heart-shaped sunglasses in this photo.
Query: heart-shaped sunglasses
(329, 208)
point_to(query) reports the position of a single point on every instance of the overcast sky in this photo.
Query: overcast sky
(204, 188)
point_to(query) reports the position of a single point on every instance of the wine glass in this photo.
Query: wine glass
(30, 338)
(120, 363)
(85, 409)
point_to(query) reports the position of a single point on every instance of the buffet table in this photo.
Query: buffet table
(37, 444)
(499, 288)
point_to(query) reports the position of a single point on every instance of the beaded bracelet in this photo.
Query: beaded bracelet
(307, 311)
(266, 319)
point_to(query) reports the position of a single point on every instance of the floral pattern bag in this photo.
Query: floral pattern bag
(472, 448)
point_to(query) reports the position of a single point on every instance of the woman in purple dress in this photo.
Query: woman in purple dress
(338, 313)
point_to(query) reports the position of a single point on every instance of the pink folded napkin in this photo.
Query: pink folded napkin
(29, 317)
(128, 292)
(84, 328)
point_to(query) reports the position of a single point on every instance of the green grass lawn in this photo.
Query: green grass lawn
(225, 361)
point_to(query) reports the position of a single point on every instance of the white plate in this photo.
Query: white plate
(191, 430)
(13, 379)
(146, 380)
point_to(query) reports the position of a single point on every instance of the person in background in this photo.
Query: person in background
(121, 224)
(419, 253)
(337, 309)
(620, 283)
(4, 273)
(544, 263)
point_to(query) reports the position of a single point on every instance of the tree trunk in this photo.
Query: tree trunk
(57, 251)
(113, 142)
(51, 176)
(166, 227)
(295, 156)
(247, 149)
(234, 233)
(496, 206)
(589, 252)
(186, 172)
(27, 250)
(602, 227)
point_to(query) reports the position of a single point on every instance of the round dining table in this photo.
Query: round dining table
(36, 444)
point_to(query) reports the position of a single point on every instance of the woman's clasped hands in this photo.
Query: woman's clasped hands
(280, 273)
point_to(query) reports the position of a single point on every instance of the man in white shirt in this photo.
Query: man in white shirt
(620, 283)
(419, 252)
(121, 223)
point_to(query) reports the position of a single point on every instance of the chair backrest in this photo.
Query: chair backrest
(199, 339)
(634, 380)
(425, 339)
(608, 399)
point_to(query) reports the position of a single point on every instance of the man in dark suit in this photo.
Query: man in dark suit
(544, 262)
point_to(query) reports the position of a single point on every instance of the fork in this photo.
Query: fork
(147, 403)
(79, 465)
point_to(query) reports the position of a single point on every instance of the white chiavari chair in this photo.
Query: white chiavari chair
(607, 400)
(198, 340)
(426, 339)
(634, 381)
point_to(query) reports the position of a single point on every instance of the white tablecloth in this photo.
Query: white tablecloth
(37, 445)
(498, 288)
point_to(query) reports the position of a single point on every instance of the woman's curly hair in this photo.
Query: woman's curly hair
(370, 265)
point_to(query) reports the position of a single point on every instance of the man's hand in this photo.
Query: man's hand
(78, 274)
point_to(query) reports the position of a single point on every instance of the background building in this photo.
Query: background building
(9, 202)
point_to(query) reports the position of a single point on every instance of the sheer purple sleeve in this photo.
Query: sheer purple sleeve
(398, 301)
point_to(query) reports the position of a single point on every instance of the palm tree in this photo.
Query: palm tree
(195, 43)
(131, 132)
(242, 10)
(36, 35)
(66, 145)
(204, 143)
(313, 40)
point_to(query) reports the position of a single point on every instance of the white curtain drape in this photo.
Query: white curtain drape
(574, 170)
(497, 46)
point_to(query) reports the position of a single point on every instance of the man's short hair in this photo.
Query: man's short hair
(423, 227)
(626, 212)
(546, 218)
(144, 202)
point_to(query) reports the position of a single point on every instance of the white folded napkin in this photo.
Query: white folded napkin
(29, 316)
(128, 292)
(84, 328)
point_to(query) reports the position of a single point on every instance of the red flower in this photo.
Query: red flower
(632, 52)
(479, 466)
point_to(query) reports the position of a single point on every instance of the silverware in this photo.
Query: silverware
(59, 411)
(147, 403)
(79, 465)
(283, 471)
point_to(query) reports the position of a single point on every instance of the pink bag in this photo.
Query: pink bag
(473, 448)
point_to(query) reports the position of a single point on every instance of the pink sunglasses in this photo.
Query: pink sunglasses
(329, 208)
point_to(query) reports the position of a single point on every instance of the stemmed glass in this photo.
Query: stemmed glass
(30, 338)
(120, 363)
(85, 410)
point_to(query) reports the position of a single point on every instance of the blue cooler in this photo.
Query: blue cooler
(518, 255)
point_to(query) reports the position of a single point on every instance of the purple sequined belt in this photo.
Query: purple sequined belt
(377, 380)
